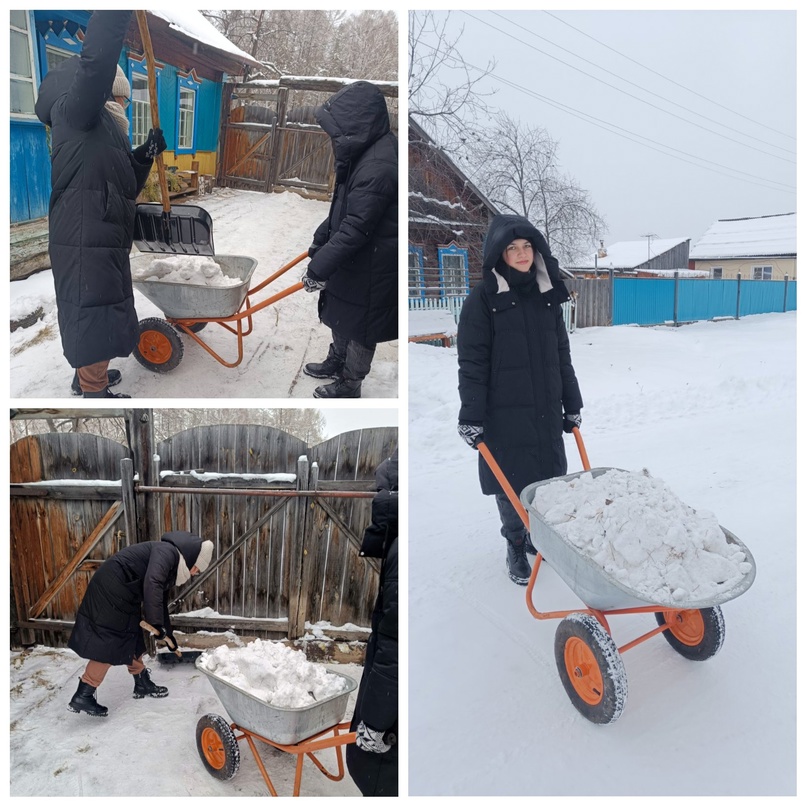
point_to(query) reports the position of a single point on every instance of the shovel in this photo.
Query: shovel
(185, 230)
(175, 657)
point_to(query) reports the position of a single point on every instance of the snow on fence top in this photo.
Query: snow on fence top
(205, 476)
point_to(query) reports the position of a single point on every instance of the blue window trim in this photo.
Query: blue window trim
(189, 82)
(140, 66)
(415, 250)
(452, 249)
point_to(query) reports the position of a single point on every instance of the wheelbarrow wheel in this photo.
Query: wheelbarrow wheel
(197, 326)
(591, 669)
(217, 747)
(160, 349)
(696, 634)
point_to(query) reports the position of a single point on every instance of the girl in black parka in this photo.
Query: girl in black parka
(354, 254)
(130, 586)
(517, 386)
(373, 760)
(96, 178)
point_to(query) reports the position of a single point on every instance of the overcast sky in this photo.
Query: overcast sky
(338, 421)
(740, 63)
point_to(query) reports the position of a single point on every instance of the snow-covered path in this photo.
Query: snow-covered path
(273, 229)
(710, 409)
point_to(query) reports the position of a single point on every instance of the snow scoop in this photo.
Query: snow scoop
(185, 230)
(166, 639)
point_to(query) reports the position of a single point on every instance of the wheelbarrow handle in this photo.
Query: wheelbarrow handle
(508, 488)
(281, 271)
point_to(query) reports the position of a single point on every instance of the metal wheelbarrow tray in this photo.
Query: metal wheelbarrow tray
(593, 584)
(589, 662)
(190, 301)
(302, 731)
(188, 308)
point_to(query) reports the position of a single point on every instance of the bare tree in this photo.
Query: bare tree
(446, 94)
(517, 167)
(366, 46)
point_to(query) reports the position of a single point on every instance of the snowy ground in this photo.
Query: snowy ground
(710, 409)
(272, 228)
(144, 747)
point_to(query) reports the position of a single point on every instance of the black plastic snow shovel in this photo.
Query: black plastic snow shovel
(185, 229)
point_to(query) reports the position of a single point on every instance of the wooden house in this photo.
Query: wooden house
(756, 248)
(448, 219)
(193, 62)
(646, 258)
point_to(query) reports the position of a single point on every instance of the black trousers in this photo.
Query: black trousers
(357, 357)
(512, 526)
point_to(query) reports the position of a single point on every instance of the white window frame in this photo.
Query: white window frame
(183, 114)
(760, 272)
(140, 133)
(32, 62)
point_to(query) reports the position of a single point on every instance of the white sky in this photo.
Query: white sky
(743, 61)
(342, 420)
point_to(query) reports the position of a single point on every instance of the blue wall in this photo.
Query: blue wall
(30, 171)
(650, 301)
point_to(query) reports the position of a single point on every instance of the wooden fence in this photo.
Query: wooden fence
(286, 547)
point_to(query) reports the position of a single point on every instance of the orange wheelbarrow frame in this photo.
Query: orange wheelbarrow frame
(339, 736)
(244, 315)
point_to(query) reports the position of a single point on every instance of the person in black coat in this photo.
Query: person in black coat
(517, 386)
(354, 255)
(107, 629)
(96, 178)
(373, 760)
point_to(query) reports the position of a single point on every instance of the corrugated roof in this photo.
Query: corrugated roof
(630, 254)
(748, 238)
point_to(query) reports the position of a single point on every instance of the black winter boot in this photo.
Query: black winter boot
(143, 685)
(341, 388)
(112, 377)
(528, 545)
(518, 567)
(84, 701)
(105, 393)
(331, 368)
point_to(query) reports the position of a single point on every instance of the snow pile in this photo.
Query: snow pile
(197, 270)
(638, 531)
(273, 673)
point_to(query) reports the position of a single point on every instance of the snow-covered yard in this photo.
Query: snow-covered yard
(710, 408)
(272, 228)
(144, 747)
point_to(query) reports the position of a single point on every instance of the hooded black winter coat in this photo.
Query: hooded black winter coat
(356, 248)
(96, 180)
(515, 369)
(377, 701)
(107, 627)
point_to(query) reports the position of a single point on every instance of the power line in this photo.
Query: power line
(636, 97)
(618, 130)
(667, 78)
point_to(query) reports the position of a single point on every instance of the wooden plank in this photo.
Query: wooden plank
(66, 492)
(109, 519)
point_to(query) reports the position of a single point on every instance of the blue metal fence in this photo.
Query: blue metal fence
(652, 301)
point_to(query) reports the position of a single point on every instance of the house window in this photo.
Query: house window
(717, 273)
(22, 65)
(186, 113)
(140, 109)
(453, 263)
(55, 56)
(763, 272)
(416, 282)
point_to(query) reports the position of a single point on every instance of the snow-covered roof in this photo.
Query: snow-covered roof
(630, 254)
(748, 238)
(194, 25)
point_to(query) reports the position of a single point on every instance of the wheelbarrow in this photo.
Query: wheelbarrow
(588, 659)
(302, 731)
(188, 308)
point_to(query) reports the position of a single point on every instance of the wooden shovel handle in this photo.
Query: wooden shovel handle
(154, 632)
(145, 36)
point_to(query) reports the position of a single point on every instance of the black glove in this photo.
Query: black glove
(472, 433)
(166, 636)
(371, 740)
(572, 420)
(155, 144)
(312, 284)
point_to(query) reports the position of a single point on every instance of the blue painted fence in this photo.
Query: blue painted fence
(653, 301)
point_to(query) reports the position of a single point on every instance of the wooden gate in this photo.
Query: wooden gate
(286, 520)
